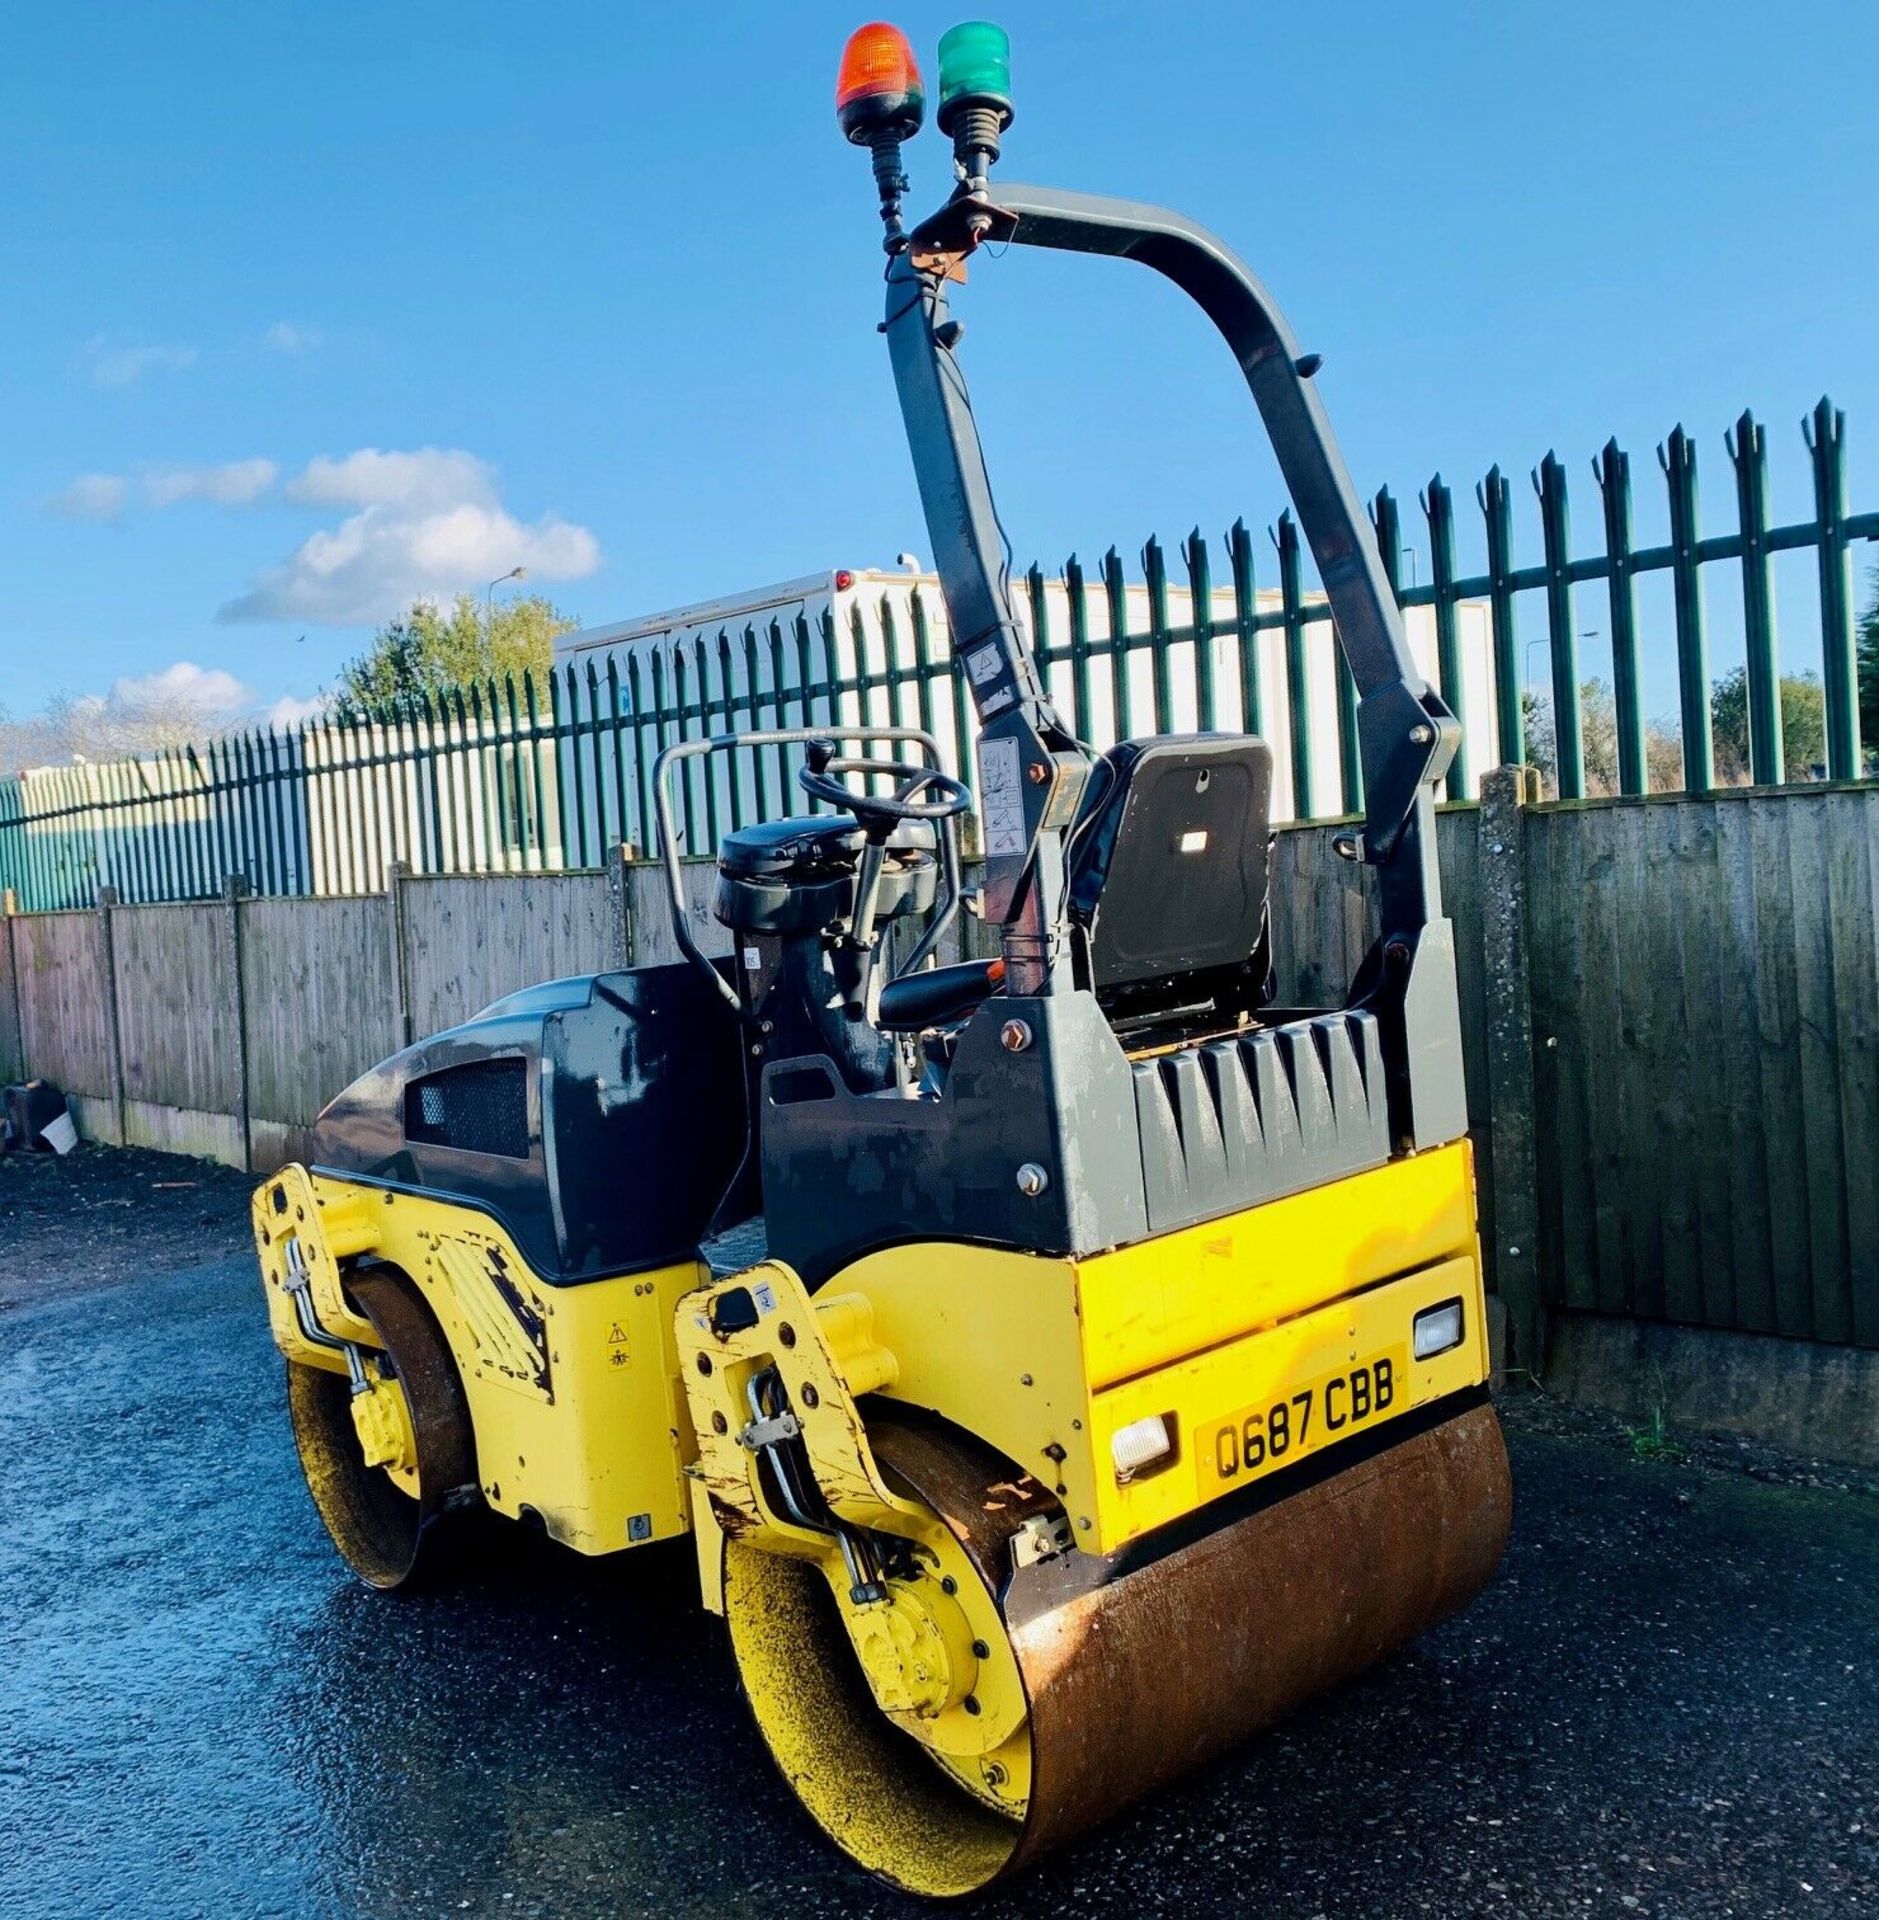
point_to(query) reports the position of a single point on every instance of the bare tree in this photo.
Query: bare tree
(179, 704)
(1598, 743)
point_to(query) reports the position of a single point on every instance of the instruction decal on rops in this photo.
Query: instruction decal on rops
(1001, 796)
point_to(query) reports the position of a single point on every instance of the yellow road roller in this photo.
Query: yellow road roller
(1065, 1361)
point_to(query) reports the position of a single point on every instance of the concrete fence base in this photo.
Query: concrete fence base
(1806, 1395)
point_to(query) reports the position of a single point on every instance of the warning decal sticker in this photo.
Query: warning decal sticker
(1001, 796)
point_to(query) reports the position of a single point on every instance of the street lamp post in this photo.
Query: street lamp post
(489, 592)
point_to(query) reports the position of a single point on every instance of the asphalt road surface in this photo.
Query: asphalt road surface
(1667, 1703)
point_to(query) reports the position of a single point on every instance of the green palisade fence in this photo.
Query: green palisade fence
(547, 777)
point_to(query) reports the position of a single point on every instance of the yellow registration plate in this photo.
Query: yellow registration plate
(1276, 1432)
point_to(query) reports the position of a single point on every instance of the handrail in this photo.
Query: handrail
(778, 737)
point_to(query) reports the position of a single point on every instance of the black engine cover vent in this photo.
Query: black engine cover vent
(479, 1107)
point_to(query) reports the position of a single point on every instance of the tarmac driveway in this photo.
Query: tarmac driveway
(1667, 1704)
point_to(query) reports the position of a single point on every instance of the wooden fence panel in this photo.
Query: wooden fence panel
(1705, 982)
(317, 1009)
(65, 1012)
(649, 906)
(1324, 919)
(468, 941)
(176, 1027)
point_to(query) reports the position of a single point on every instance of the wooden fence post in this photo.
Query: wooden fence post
(9, 914)
(620, 903)
(396, 874)
(234, 891)
(107, 962)
(1514, 1259)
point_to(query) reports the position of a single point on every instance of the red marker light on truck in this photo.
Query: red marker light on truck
(878, 94)
(843, 580)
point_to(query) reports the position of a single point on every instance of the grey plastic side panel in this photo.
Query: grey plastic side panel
(1128, 1150)
(1233, 1123)
(1432, 1034)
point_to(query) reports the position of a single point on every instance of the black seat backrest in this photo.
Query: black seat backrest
(1169, 868)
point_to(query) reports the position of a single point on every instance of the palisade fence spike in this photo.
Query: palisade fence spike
(1200, 599)
(753, 669)
(210, 853)
(727, 684)
(595, 761)
(779, 678)
(580, 759)
(1246, 626)
(681, 682)
(273, 826)
(831, 666)
(248, 813)
(1043, 647)
(388, 838)
(1076, 600)
(1155, 579)
(1495, 498)
(922, 657)
(254, 805)
(1748, 449)
(364, 814)
(642, 768)
(267, 803)
(1297, 687)
(165, 841)
(424, 778)
(538, 795)
(1612, 471)
(1438, 506)
(1116, 597)
(896, 689)
(1824, 432)
(1386, 524)
(1677, 458)
(1549, 483)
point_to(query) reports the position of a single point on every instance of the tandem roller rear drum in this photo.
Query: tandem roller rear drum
(1134, 1669)
(391, 1522)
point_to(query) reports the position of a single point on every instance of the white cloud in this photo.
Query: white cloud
(285, 337)
(290, 710)
(213, 692)
(178, 703)
(91, 496)
(235, 483)
(111, 366)
(427, 477)
(428, 524)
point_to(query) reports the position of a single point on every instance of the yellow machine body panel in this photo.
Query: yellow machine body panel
(1267, 1328)
(573, 1391)
(1258, 1339)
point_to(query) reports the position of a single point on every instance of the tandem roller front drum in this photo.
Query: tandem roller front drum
(1135, 1669)
(389, 1522)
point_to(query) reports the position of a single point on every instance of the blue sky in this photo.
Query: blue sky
(605, 279)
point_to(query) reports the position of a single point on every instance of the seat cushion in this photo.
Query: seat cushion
(768, 849)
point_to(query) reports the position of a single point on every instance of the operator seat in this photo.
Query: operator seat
(1169, 865)
(1169, 869)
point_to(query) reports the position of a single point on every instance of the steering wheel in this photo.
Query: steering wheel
(824, 775)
